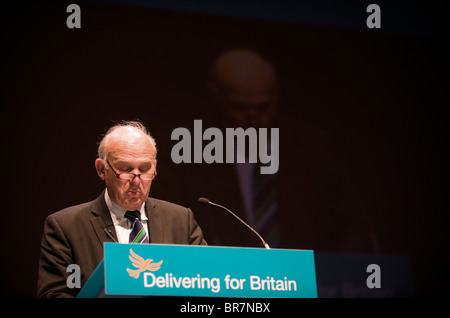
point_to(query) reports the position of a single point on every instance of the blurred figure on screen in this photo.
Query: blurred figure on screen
(245, 88)
(309, 203)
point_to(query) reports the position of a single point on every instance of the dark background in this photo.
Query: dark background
(380, 93)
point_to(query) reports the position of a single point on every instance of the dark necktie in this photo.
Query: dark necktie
(138, 234)
(265, 206)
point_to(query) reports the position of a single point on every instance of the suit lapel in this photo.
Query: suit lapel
(155, 222)
(101, 220)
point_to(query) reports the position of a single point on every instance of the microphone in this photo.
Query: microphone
(205, 201)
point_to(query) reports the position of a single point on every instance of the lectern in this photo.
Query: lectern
(139, 270)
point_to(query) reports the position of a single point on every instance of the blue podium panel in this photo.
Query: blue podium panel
(94, 287)
(182, 270)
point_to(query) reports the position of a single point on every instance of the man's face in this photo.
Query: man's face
(131, 154)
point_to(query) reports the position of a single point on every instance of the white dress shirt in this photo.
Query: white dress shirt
(122, 225)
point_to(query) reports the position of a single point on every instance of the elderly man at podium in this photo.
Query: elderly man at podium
(123, 213)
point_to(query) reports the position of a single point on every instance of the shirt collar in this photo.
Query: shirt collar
(119, 212)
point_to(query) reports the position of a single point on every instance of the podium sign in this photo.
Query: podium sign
(181, 270)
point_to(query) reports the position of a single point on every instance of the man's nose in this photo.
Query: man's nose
(136, 179)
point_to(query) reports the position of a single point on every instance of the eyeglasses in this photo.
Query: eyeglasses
(130, 176)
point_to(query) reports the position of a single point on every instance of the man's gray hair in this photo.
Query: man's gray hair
(124, 123)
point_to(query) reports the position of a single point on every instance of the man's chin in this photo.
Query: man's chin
(133, 203)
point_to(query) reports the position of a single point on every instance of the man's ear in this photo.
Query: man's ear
(100, 167)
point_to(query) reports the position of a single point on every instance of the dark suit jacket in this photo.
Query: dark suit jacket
(75, 235)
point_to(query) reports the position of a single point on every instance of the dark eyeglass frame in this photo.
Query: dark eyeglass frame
(121, 175)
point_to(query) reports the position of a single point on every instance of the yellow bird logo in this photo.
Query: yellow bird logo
(141, 265)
